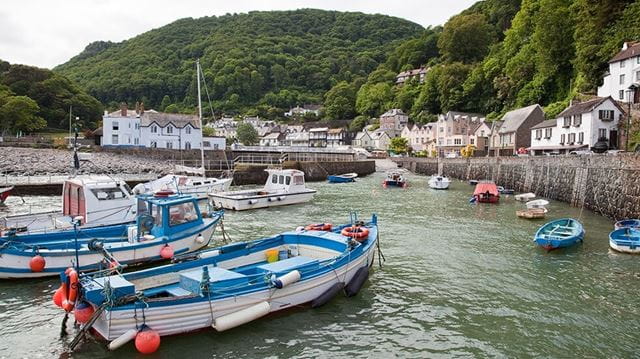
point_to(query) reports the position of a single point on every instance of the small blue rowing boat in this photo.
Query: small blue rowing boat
(627, 223)
(626, 240)
(560, 233)
(343, 178)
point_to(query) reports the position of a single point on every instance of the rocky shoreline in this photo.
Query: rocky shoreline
(32, 162)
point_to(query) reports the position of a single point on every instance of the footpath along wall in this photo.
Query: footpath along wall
(606, 184)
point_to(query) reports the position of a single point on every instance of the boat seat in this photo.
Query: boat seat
(219, 278)
(288, 264)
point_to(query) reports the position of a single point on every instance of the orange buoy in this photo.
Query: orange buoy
(83, 312)
(166, 252)
(57, 297)
(37, 263)
(147, 340)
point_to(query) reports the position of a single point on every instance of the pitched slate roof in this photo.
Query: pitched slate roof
(164, 119)
(544, 124)
(632, 50)
(512, 120)
(393, 112)
(583, 107)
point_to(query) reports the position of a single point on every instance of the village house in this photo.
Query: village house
(420, 137)
(318, 137)
(583, 125)
(456, 130)
(394, 121)
(337, 137)
(363, 140)
(149, 128)
(301, 111)
(622, 82)
(405, 76)
(272, 139)
(494, 138)
(296, 139)
(480, 138)
(380, 139)
(515, 130)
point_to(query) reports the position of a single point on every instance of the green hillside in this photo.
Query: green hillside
(264, 61)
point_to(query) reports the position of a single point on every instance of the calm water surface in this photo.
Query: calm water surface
(460, 280)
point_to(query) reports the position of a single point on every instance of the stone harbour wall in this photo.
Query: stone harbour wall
(313, 171)
(606, 184)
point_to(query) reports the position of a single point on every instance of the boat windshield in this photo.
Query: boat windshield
(298, 180)
(182, 213)
(156, 212)
(104, 194)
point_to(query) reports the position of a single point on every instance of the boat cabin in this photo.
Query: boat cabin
(165, 215)
(97, 199)
(284, 180)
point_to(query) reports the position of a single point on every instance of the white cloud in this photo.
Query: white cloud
(46, 33)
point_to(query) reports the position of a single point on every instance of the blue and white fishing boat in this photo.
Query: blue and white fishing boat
(167, 225)
(626, 240)
(343, 178)
(627, 223)
(559, 234)
(231, 285)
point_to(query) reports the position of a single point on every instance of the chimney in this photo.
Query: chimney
(137, 108)
(141, 108)
(123, 109)
(625, 45)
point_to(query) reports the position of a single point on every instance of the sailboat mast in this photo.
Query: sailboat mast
(200, 119)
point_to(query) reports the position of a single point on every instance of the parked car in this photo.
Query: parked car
(451, 155)
(553, 153)
(581, 152)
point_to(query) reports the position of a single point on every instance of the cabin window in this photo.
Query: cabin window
(298, 180)
(156, 212)
(105, 194)
(182, 213)
(274, 179)
(288, 180)
(196, 183)
(281, 179)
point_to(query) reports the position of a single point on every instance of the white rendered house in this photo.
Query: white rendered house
(624, 72)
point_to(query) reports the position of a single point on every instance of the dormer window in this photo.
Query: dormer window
(187, 130)
(154, 129)
(169, 129)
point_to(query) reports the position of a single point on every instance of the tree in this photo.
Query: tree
(166, 101)
(373, 100)
(399, 145)
(358, 123)
(465, 38)
(19, 113)
(173, 108)
(208, 131)
(340, 102)
(247, 135)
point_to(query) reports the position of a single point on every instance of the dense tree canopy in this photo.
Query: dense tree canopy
(247, 134)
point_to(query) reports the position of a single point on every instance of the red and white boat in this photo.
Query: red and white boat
(486, 192)
(4, 193)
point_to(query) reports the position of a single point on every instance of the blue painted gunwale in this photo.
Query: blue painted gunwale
(561, 240)
(627, 237)
(339, 179)
(240, 249)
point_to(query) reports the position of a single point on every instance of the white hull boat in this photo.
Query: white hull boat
(439, 182)
(196, 186)
(538, 203)
(525, 197)
(283, 187)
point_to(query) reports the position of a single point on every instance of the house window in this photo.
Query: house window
(114, 139)
(602, 133)
(187, 145)
(638, 60)
(577, 120)
(581, 137)
(216, 146)
(567, 121)
(562, 139)
(623, 63)
(153, 144)
(206, 144)
(638, 74)
(472, 141)
(622, 79)
(572, 138)
(538, 134)
(154, 129)
(457, 141)
(621, 95)
(606, 115)
(548, 132)
(137, 126)
(169, 129)
(136, 141)
(187, 130)
(169, 145)
(115, 126)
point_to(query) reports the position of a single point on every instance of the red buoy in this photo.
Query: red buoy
(83, 312)
(57, 297)
(166, 252)
(37, 263)
(147, 341)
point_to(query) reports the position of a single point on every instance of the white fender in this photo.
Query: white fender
(123, 339)
(208, 254)
(240, 317)
(253, 201)
(200, 239)
(282, 198)
(287, 279)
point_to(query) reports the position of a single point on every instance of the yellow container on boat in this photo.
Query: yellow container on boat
(272, 255)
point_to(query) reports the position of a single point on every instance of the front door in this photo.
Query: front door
(613, 139)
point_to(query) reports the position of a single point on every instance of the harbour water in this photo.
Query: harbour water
(460, 280)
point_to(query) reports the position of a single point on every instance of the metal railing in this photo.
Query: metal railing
(260, 159)
(209, 165)
(54, 179)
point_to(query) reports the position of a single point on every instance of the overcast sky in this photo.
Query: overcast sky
(47, 33)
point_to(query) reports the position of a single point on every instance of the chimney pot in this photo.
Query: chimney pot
(123, 109)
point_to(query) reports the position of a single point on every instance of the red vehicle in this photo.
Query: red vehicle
(4, 193)
(486, 192)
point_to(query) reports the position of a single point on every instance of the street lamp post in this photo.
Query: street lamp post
(630, 96)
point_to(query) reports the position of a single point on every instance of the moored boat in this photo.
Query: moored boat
(164, 226)
(283, 187)
(439, 182)
(531, 213)
(525, 196)
(627, 223)
(560, 233)
(343, 178)
(226, 287)
(503, 190)
(486, 192)
(395, 179)
(4, 193)
(538, 203)
(193, 185)
(625, 240)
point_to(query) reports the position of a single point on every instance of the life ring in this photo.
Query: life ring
(356, 232)
(70, 290)
(319, 227)
(163, 193)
